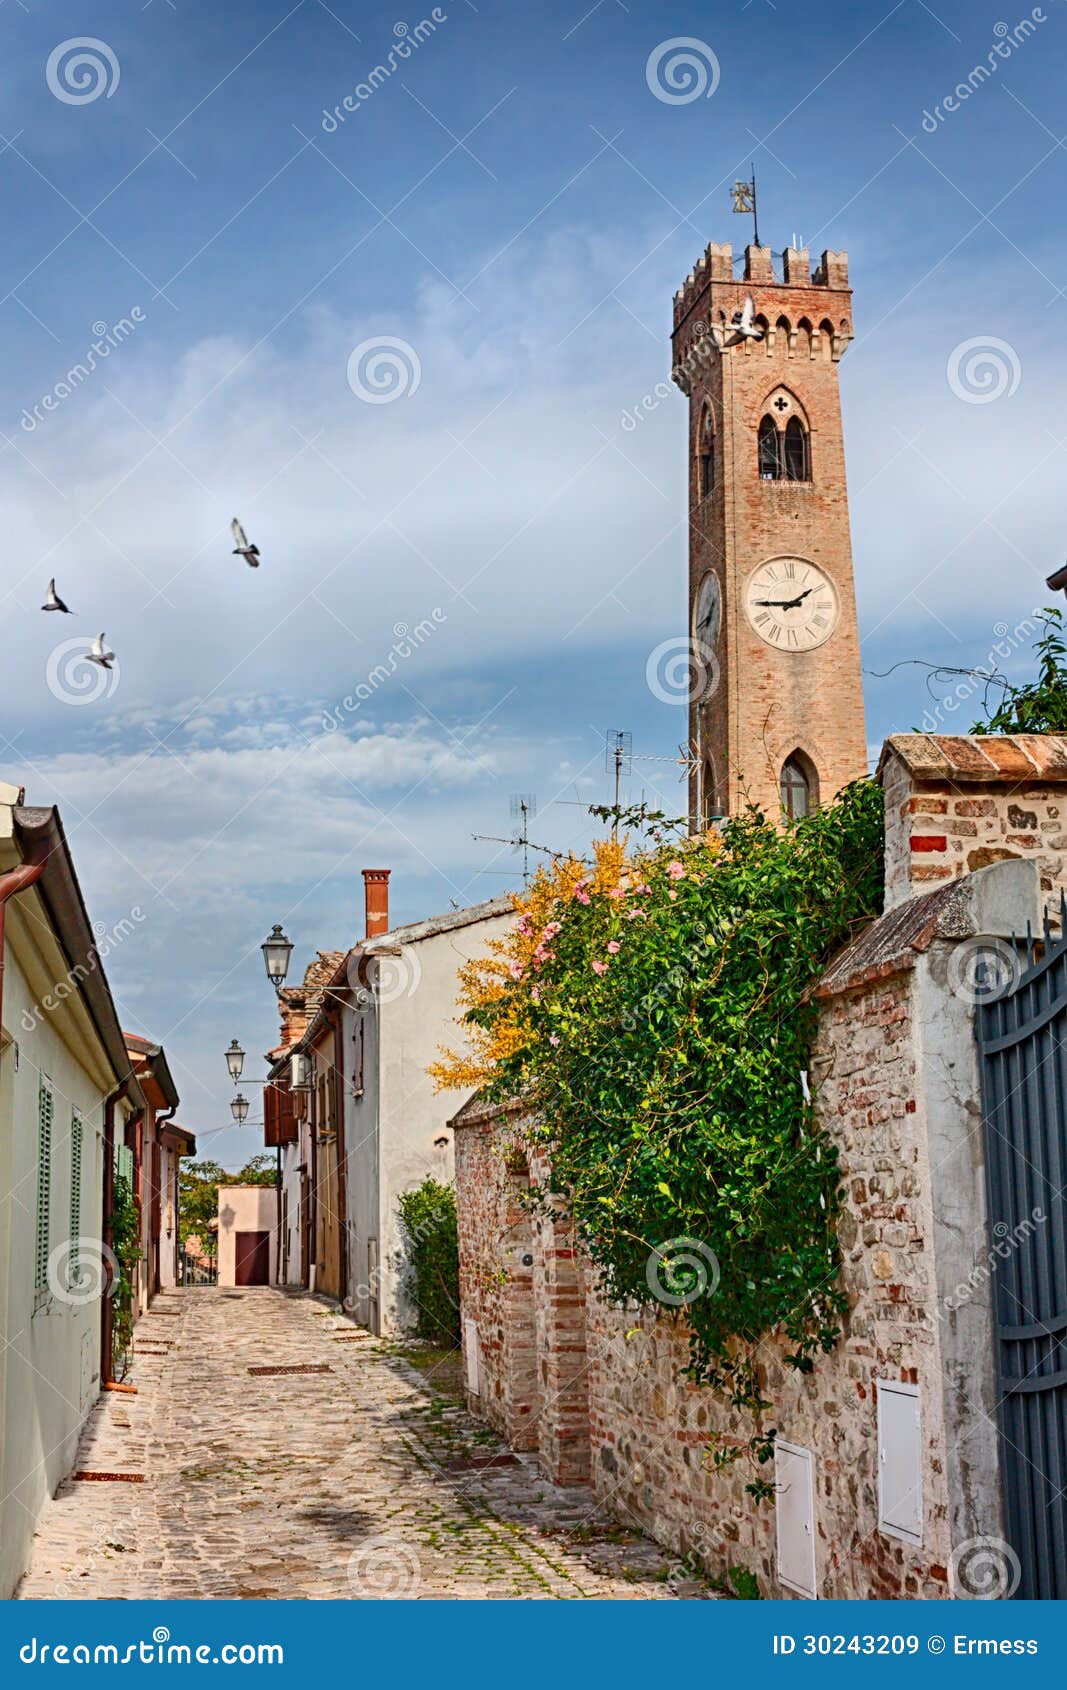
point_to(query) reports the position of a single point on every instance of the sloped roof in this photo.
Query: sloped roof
(985, 758)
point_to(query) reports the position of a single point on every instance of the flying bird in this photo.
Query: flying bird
(53, 601)
(742, 326)
(241, 547)
(98, 654)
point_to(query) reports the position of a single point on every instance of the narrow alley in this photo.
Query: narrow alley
(274, 1450)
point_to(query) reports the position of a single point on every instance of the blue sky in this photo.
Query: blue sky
(515, 206)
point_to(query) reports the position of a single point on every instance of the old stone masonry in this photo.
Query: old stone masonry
(274, 1450)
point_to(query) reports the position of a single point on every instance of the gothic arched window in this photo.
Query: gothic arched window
(709, 797)
(797, 451)
(770, 456)
(706, 456)
(799, 786)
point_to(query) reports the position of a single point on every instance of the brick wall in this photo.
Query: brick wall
(496, 1271)
(955, 804)
(895, 1073)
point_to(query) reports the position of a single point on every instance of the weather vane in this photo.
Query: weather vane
(744, 197)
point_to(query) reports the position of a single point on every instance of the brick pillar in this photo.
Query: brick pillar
(559, 1302)
(955, 803)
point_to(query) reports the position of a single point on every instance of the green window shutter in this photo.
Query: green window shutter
(45, 1113)
(74, 1261)
(124, 1163)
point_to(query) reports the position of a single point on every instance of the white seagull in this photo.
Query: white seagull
(53, 601)
(241, 547)
(98, 654)
(742, 326)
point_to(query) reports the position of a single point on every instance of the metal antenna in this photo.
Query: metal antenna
(523, 806)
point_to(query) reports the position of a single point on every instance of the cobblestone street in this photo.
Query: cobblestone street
(356, 1480)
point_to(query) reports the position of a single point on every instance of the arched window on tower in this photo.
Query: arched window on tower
(770, 455)
(709, 797)
(799, 786)
(706, 455)
(797, 451)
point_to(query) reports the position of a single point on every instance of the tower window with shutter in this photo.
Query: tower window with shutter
(45, 1116)
(75, 1195)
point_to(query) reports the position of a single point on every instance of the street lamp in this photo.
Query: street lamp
(235, 1060)
(239, 1109)
(277, 950)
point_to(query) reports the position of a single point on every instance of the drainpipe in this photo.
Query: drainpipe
(161, 1120)
(14, 881)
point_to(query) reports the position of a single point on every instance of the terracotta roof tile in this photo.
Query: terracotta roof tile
(966, 758)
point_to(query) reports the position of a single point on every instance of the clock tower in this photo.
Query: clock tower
(776, 704)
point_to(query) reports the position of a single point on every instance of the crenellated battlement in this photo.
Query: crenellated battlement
(809, 314)
(716, 264)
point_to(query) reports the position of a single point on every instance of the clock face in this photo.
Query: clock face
(791, 604)
(707, 613)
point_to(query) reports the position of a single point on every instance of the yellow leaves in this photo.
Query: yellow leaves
(501, 980)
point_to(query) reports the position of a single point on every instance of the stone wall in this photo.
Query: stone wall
(895, 1076)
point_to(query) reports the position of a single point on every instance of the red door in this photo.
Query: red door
(253, 1258)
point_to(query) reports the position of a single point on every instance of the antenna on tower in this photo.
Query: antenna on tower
(523, 805)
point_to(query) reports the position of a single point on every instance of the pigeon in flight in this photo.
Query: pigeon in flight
(742, 326)
(53, 601)
(98, 654)
(241, 547)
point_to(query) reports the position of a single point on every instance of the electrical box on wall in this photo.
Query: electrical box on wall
(900, 1473)
(795, 1516)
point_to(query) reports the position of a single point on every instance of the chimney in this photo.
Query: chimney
(376, 896)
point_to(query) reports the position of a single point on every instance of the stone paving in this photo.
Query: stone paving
(361, 1481)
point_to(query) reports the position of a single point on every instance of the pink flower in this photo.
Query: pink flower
(600, 968)
(614, 947)
(515, 969)
(581, 893)
(673, 896)
(536, 994)
(553, 1038)
(617, 892)
(551, 930)
(676, 871)
(525, 925)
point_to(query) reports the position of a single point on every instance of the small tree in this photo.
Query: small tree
(428, 1216)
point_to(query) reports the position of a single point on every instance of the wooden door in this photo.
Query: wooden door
(253, 1258)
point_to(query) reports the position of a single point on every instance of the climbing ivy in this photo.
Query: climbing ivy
(125, 1222)
(428, 1216)
(656, 1013)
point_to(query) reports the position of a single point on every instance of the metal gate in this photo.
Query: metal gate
(1022, 1038)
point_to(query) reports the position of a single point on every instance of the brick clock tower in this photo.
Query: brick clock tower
(776, 706)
